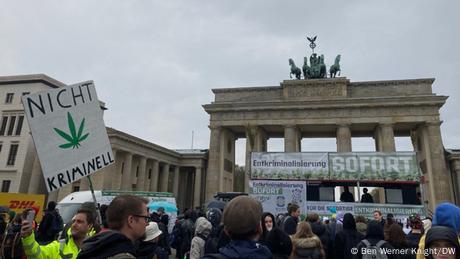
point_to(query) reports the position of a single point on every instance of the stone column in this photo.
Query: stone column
(385, 138)
(110, 173)
(176, 181)
(142, 177)
(441, 177)
(197, 188)
(343, 138)
(292, 138)
(164, 178)
(456, 168)
(256, 141)
(384, 142)
(155, 176)
(34, 186)
(84, 184)
(126, 178)
(214, 163)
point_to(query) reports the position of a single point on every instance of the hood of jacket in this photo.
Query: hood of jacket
(245, 249)
(106, 244)
(448, 215)
(203, 226)
(349, 221)
(309, 242)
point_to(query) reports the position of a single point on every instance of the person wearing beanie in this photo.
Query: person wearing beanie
(447, 215)
(441, 237)
(242, 224)
(387, 225)
(416, 232)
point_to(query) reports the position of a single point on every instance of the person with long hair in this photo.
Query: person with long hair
(267, 221)
(397, 238)
(305, 244)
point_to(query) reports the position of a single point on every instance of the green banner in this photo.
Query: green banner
(374, 166)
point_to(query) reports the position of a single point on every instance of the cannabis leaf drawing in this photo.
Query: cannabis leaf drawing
(74, 139)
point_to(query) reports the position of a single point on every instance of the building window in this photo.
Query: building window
(9, 98)
(150, 172)
(122, 167)
(6, 185)
(76, 188)
(19, 126)
(12, 154)
(3, 126)
(11, 126)
(137, 171)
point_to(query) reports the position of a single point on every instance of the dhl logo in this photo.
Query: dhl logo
(21, 204)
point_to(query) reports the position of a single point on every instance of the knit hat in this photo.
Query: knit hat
(442, 233)
(448, 215)
(242, 215)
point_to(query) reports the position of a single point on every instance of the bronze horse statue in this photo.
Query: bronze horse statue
(294, 69)
(335, 68)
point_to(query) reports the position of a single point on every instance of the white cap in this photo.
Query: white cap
(152, 231)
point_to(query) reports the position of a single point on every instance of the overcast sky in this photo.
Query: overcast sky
(154, 63)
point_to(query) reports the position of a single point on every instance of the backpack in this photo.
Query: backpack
(282, 221)
(212, 242)
(375, 251)
(176, 236)
(11, 245)
(187, 231)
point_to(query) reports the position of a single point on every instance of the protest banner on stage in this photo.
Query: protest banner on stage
(326, 209)
(374, 166)
(276, 195)
(289, 166)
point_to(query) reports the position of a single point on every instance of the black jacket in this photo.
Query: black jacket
(347, 238)
(322, 232)
(290, 225)
(106, 244)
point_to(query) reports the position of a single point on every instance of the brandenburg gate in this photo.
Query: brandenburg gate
(333, 108)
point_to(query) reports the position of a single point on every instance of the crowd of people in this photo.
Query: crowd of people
(240, 230)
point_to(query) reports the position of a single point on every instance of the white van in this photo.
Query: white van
(71, 203)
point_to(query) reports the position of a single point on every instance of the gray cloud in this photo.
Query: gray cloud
(155, 62)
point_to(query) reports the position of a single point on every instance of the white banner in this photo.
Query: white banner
(69, 133)
(276, 195)
(325, 209)
(289, 166)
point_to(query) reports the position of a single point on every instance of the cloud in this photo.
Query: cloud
(155, 62)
